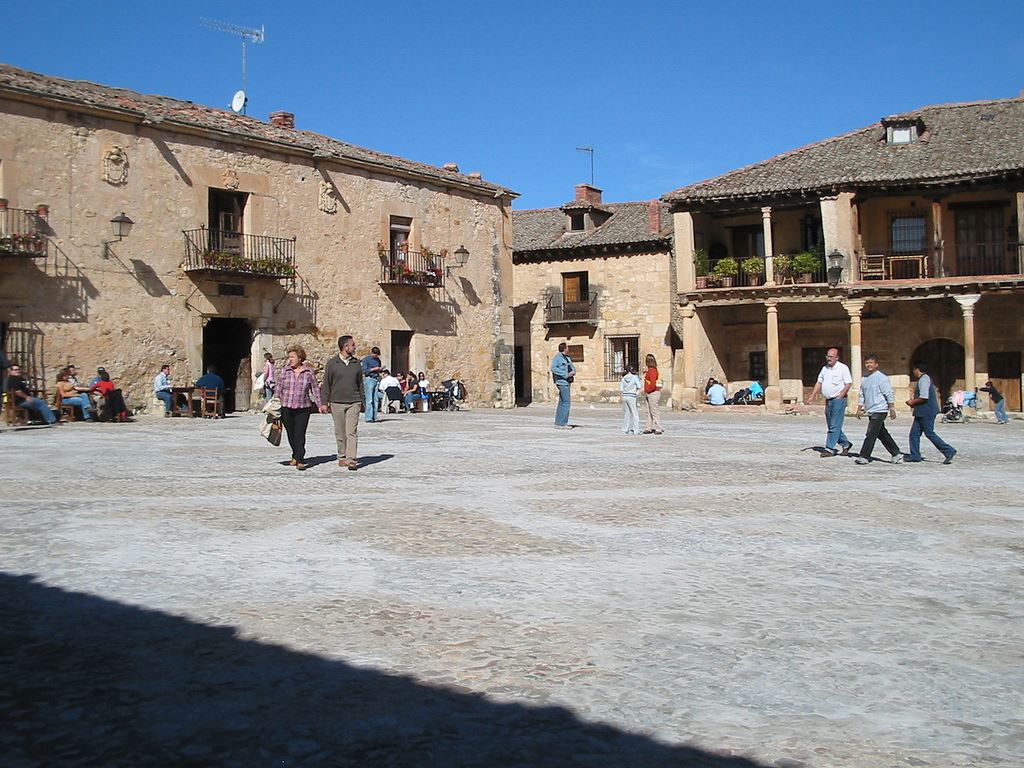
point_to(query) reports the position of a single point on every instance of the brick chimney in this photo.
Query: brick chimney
(654, 216)
(282, 119)
(588, 193)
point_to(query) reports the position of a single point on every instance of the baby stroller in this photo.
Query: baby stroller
(456, 393)
(953, 411)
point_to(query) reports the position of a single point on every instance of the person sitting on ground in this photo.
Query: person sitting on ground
(70, 396)
(716, 392)
(162, 389)
(412, 392)
(111, 402)
(17, 388)
(212, 381)
(391, 387)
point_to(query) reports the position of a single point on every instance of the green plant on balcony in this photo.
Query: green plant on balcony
(806, 264)
(726, 270)
(701, 267)
(783, 266)
(753, 267)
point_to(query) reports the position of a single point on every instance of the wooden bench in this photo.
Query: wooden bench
(15, 415)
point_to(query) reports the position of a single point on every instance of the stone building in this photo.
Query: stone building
(247, 236)
(599, 277)
(909, 232)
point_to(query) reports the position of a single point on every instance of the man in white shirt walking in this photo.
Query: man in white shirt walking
(876, 398)
(834, 381)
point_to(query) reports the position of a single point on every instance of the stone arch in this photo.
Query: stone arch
(945, 361)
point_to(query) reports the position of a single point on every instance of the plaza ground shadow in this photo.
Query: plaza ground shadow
(89, 681)
(364, 461)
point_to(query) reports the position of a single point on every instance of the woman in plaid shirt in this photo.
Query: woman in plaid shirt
(299, 394)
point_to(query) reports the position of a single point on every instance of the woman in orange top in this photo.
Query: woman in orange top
(652, 388)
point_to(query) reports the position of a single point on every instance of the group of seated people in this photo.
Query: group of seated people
(211, 380)
(406, 391)
(99, 400)
(716, 394)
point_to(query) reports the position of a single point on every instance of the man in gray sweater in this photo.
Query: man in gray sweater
(342, 391)
(877, 399)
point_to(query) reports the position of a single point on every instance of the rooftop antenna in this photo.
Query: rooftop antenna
(591, 151)
(247, 34)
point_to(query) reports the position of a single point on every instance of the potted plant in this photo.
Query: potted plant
(700, 266)
(783, 266)
(806, 264)
(754, 269)
(726, 270)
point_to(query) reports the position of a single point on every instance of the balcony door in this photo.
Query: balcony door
(575, 295)
(981, 242)
(227, 220)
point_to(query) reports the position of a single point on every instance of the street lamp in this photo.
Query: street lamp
(121, 226)
(461, 256)
(835, 268)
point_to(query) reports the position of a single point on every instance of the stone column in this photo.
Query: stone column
(967, 307)
(682, 226)
(687, 386)
(839, 224)
(769, 248)
(854, 308)
(939, 260)
(773, 392)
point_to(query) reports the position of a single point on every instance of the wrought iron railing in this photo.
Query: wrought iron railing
(23, 233)
(785, 272)
(237, 253)
(558, 310)
(999, 258)
(401, 267)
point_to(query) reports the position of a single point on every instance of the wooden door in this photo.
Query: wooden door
(400, 343)
(1004, 371)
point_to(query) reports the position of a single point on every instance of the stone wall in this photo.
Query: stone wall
(633, 298)
(131, 306)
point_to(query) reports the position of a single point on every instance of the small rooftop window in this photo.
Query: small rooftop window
(577, 222)
(900, 130)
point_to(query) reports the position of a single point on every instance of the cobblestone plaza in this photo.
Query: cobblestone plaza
(490, 591)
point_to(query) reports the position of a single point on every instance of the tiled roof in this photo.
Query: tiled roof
(171, 112)
(977, 140)
(543, 229)
(583, 205)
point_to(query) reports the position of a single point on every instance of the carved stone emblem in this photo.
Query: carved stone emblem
(230, 178)
(328, 201)
(115, 166)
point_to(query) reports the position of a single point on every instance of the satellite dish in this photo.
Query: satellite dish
(238, 101)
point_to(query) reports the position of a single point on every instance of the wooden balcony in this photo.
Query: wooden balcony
(969, 260)
(413, 268)
(23, 234)
(218, 252)
(558, 311)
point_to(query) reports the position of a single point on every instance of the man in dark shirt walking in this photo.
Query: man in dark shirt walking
(342, 390)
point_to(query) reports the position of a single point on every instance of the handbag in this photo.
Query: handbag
(271, 430)
(260, 382)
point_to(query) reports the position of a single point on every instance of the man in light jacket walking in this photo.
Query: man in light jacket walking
(342, 390)
(876, 398)
(562, 371)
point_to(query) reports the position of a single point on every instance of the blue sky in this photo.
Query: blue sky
(668, 93)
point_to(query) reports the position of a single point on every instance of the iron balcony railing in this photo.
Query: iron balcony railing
(401, 267)
(558, 310)
(786, 271)
(1000, 258)
(23, 233)
(237, 253)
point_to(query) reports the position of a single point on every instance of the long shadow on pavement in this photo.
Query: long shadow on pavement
(89, 681)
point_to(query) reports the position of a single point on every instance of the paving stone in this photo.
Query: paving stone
(488, 591)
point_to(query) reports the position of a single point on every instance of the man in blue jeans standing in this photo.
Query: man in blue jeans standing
(834, 382)
(925, 403)
(372, 367)
(563, 371)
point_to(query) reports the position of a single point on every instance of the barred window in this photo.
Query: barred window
(620, 351)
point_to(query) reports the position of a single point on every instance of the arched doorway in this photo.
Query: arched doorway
(944, 359)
